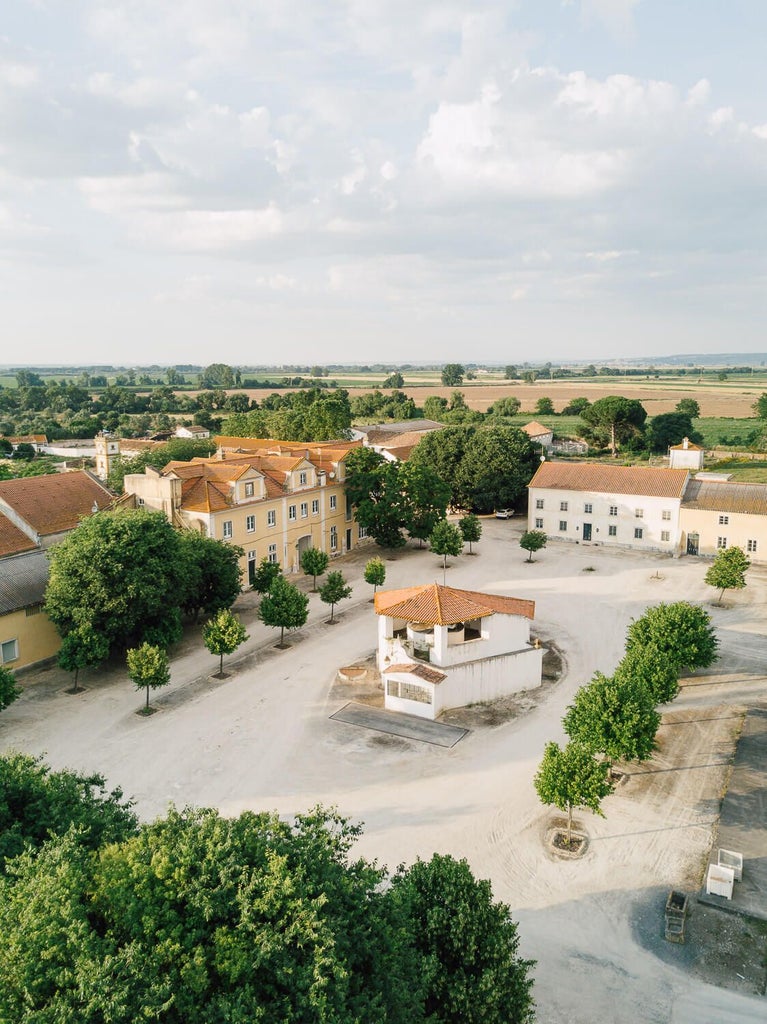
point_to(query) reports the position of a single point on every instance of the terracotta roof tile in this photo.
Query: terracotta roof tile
(589, 476)
(13, 540)
(535, 429)
(444, 606)
(686, 447)
(54, 503)
(417, 668)
(727, 496)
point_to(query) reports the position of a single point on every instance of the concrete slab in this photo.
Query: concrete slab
(743, 821)
(409, 727)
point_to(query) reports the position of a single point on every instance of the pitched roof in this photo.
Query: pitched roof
(13, 540)
(422, 426)
(444, 606)
(686, 446)
(417, 668)
(589, 476)
(54, 503)
(535, 429)
(23, 581)
(726, 496)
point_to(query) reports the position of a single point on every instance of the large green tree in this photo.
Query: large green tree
(688, 407)
(681, 632)
(37, 803)
(497, 465)
(424, 499)
(613, 420)
(442, 451)
(466, 945)
(120, 575)
(728, 570)
(284, 607)
(452, 375)
(572, 777)
(212, 573)
(615, 717)
(647, 667)
(670, 428)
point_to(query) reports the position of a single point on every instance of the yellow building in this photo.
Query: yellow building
(274, 499)
(724, 514)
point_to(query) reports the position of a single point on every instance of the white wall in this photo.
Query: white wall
(488, 680)
(626, 521)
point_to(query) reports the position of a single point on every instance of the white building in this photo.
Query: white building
(441, 648)
(622, 506)
(686, 456)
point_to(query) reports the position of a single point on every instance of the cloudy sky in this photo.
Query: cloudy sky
(288, 181)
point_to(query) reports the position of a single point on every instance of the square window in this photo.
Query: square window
(315, 506)
(250, 489)
(665, 535)
(272, 553)
(333, 502)
(666, 514)
(563, 506)
(362, 532)
(304, 509)
(639, 513)
(563, 525)
(292, 513)
(539, 502)
(638, 533)
(539, 524)
(751, 546)
(250, 524)
(271, 518)
(140, 502)
(588, 508)
(721, 542)
(612, 531)
(724, 520)
(9, 651)
(613, 510)
(227, 533)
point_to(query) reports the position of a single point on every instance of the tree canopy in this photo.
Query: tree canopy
(471, 529)
(119, 575)
(212, 573)
(283, 607)
(446, 539)
(681, 632)
(532, 541)
(452, 375)
(9, 691)
(335, 589)
(615, 717)
(197, 919)
(572, 777)
(613, 420)
(222, 635)
(148, 668)
(314, 563)
(728, 570)
(670, 428)
(375, 573)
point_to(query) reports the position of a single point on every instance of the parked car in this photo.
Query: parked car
(504, 513)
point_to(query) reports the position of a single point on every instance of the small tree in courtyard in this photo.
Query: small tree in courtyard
(532, 541)
(682, 633)
(728, 571)
(334, 590)
(9, 691)
(314, 563)
(223, 635)
(148, 668)
(647, 667)
(265, 575)
(615, 717)
(82, 648)
(446, 540)
(284, 607)
(375, 573)
(471, 529)
(572, 777)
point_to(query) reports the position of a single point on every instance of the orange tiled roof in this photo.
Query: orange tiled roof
(686, 447)
(589, 476)
(29, 439)
(55, 503)
(417, 668)
(13, 540)
(402, 453)
(535, 429)
(444, 606)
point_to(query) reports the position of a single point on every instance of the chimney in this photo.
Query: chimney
(686, 443)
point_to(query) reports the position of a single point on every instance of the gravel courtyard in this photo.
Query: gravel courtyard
(263, 739)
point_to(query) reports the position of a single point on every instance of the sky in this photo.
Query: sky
(381, 181)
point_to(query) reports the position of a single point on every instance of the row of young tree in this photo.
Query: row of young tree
(614, 718)
(197, 919)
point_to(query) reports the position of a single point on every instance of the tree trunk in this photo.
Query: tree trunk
(147, 696)
(612, 440)
(569, 823)
(282, 636)
(332, 609)
(221, 665)
(530, 556)
(721, 595)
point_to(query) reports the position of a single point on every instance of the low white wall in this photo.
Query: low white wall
(409, 707)
(490, 679)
